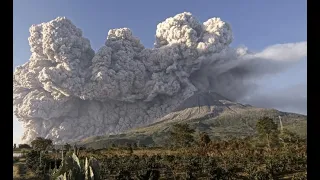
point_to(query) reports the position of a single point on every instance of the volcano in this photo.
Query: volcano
(207, 112)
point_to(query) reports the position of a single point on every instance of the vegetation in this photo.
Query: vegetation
(204, 139)
(24, 146)
(41, 144)
(73, 168)
(271, 154)
(67, 147)
(225, 126)
(267, 129)
(181, 135)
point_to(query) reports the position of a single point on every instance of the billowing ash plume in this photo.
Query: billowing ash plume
(66, 91)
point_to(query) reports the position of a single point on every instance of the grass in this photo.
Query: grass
(18, 150)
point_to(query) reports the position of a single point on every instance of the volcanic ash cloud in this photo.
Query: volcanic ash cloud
(67, 92)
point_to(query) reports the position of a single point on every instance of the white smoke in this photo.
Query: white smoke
(66, 91)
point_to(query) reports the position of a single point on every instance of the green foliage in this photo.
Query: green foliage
(67, 147)
(239, 125)
(32, 159)
(69, 153)
(268, 130)
(204, 139)
(300, 176)
(229, 159)
(76, 150)
(24, 146)
(266, 126)
(38, 162)
(130, 150)
(182, 135)
(289, 136)
(73, 169)
(41, 144)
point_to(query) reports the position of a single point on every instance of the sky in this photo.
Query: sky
(255, 24)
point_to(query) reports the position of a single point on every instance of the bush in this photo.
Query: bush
(15, 159)
(40, 166)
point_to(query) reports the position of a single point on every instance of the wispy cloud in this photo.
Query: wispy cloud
(290, 99)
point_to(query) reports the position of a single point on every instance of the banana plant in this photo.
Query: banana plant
(72, 169)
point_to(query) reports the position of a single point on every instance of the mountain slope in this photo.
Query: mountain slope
(209, 112)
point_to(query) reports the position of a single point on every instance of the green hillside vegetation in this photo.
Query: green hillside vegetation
(226, 125)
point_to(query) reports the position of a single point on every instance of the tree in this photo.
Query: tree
(204, 139)
(41, 144)
(67, 147)
(267, 129)
(24, 146)
(181, 135)
(130, 149)
(134, 145)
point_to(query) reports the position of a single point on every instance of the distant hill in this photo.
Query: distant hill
(205, 111)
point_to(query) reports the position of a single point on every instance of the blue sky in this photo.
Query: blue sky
(255, 24)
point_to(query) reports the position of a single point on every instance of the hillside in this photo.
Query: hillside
(205, 111)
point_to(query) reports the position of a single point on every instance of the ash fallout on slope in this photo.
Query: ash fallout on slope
(67, 92)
